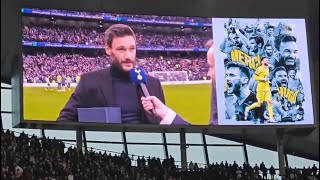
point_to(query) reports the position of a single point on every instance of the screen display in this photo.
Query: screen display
(70, 69)
(264, 75)
(96, 67)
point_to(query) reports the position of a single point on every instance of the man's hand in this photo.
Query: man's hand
(152, 102)
(265, 79)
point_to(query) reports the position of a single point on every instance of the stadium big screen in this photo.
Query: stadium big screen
(60, 46)
(62, 49)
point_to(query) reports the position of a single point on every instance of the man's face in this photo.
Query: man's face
(281, 78)
(253, 46)
(269, 51)
(292, 74)
(233, 80)
(231, 28)
(123, 52)
(265, 61)
(234, 38)
(289, 52)
(270, 31)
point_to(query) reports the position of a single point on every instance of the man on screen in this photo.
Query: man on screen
(267, 33)
(234, 41)
(48, 83)
(263, 89)
(288, 49)
(69, 82)
(268, 52)
(280, 77)
(294, 83)
(112, 87)
(78, 79)
(278, 111)
(255, 45)
(238, 95)
(212, 75)
(281, 80)
(59, 80)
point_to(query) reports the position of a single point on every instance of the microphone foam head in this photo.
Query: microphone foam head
(138, 75)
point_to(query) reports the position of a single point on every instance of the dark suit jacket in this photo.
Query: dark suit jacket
(95, 90)
(179, 120)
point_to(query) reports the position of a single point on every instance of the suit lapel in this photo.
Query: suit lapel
(150, 88)
(106, 88)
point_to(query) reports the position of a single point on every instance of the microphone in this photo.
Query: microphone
(139, 77)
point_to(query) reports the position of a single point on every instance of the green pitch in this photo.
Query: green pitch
(192, 102)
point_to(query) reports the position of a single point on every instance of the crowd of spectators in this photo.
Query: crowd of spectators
(33, 158)
(41, 66)
(63, 35)
(96, 37)
(167, 18)
(228, 171)
(143, 17)
(24, 157)
(38, 67)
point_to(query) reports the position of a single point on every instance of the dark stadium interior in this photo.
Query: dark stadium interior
(298, 141)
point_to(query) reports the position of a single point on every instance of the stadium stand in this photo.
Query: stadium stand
(24, 157)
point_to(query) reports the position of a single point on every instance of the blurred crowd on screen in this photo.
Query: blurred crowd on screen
(94, 36)
(145, 17)
(38, 67)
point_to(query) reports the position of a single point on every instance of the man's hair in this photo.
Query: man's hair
(290, 68)
(262, 58)
(243, 68)
(268, 44)
(117, 30)
(279, 68)
(258, 39)
(270, 26)
(285, 38)
(286, 27)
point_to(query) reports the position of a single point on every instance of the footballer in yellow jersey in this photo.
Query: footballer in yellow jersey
(263, 89)
(78, 79)
(59, 81)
